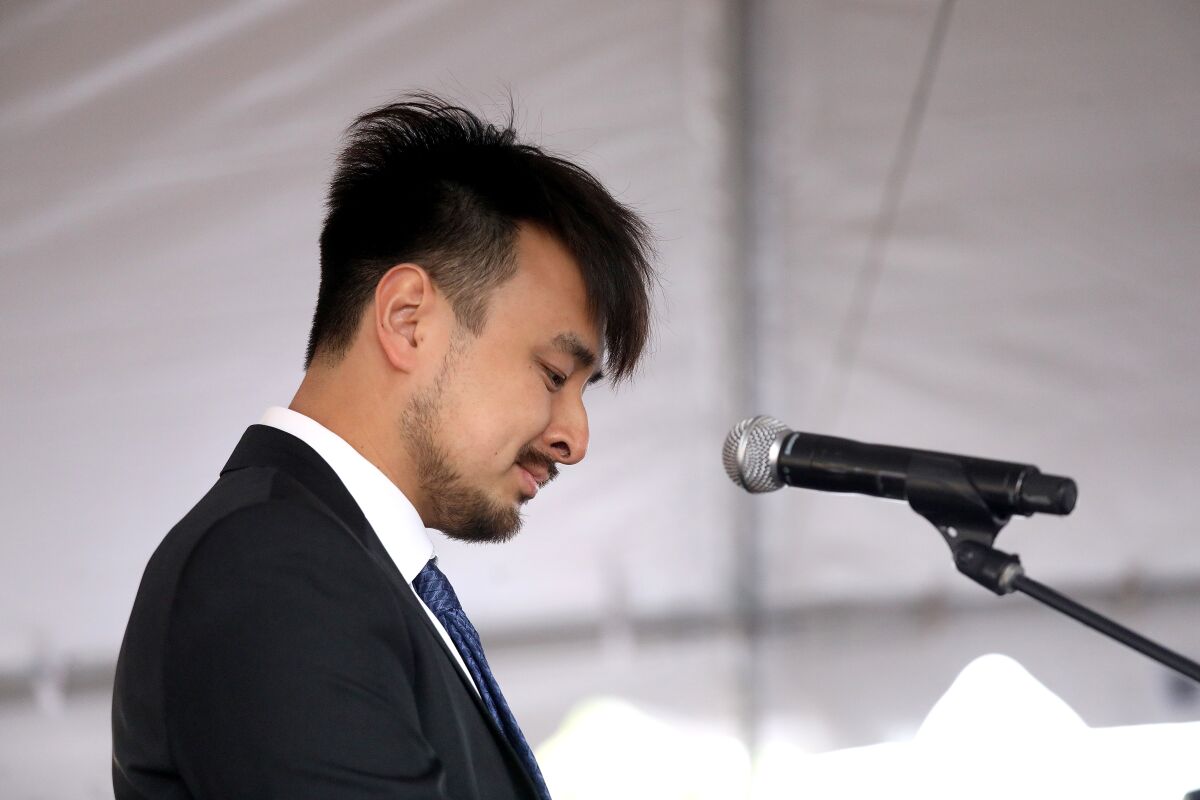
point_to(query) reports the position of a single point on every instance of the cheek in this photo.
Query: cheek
(496, 410)
(486, 432)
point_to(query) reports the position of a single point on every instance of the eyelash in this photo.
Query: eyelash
(557, 380)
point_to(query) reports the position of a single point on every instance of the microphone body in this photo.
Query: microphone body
(761, 454)
(832, 464)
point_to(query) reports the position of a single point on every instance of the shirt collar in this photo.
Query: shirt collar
(391, 515)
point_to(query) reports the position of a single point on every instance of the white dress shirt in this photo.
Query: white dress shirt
(388, 511)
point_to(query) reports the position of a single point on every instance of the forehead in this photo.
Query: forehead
(546, 296)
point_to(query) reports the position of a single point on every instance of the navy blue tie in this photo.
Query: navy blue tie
(435, 589)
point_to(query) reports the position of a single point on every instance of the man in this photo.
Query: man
(292, 635)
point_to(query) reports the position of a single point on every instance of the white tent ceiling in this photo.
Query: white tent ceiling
(1034, 299)
(1019, 284)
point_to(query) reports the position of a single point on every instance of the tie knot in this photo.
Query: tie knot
(434, 588)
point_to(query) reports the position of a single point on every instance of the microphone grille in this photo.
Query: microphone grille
(747, 454)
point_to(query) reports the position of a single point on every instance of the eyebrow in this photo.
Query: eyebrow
(573, 346)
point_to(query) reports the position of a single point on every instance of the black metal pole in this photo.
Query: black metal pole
(1098, 622)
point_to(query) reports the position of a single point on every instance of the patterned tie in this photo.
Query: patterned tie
(435, 589)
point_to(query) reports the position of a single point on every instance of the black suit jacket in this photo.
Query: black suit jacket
(274, 650)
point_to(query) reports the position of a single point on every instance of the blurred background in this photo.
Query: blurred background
(968, 226)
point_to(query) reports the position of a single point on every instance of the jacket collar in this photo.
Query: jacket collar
(264, 446)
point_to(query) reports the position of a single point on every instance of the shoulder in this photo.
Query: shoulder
(280, 580)
(280, 539)
(256, 517)
(260, 526)
(261, 557)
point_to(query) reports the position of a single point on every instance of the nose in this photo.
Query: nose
(567, 434)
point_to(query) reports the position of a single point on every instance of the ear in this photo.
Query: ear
(404, 301)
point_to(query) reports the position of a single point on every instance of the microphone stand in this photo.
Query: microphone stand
(939, 490)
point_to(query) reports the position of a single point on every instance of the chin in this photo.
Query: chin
(478, 517)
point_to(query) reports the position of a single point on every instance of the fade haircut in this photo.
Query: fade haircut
(425, 182)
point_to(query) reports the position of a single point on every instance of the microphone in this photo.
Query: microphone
(761, 455)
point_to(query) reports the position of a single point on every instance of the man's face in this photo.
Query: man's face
(507, 406)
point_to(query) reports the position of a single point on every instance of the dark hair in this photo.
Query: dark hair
(431, 183)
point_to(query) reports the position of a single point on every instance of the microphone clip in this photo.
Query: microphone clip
(939, 490)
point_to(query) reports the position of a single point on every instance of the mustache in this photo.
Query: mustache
(530, 456)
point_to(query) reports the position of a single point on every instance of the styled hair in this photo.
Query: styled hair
(430, 183)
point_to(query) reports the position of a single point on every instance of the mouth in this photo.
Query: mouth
(534, 472)
(529, 483)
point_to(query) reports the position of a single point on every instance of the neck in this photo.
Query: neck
(362, 415)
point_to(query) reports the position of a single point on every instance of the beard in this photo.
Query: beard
(457, 509)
